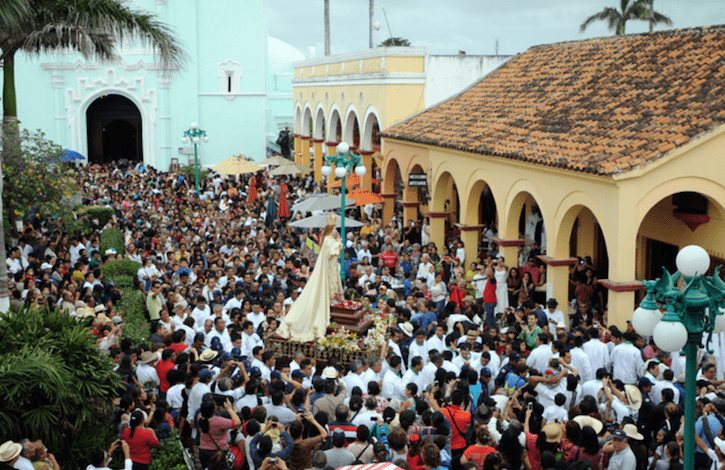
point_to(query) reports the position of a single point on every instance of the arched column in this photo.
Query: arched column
(331, 151)
(471, 237)
(298, 148)
(438, 228)
(388, 207)
(305, 151)
(319, 158)
(366, 182)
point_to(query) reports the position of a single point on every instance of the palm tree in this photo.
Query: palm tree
(629, 10)
(91, 27)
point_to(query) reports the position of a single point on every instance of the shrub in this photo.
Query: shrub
(190, 173)
(100, 213)
(169, 455)
(54, 385)
(113, 238)
(133, 307)
(121, 272)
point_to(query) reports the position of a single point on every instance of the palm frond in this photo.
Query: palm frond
(12, 12)
(55, 37)
(659, 18)
(611, 15)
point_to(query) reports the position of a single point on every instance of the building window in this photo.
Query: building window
(230, 74)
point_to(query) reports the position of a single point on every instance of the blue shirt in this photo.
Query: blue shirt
(424, 319)
(715, 427)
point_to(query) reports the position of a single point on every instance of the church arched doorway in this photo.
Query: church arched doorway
(114, 130)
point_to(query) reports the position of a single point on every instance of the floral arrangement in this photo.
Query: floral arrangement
(377, 333)
(341, 339)
(346, 304)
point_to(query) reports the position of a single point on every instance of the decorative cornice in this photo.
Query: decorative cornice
(438, 215)
(318, 141)
(389, 195)
(366, 152)
(305, 137)
(469, 228)
(364, 54)
(332, 144)
(411, 203)
(505, 243)
(407, 78)
(630, 286)
(549, 261)
(83, 65)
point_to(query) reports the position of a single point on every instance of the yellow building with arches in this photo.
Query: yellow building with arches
(615, 145)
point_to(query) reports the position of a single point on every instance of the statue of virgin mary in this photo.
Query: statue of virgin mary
(309, 316)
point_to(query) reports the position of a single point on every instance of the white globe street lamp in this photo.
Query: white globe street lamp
(343, 147)
(340, 172)
(326, 170)
(360, 170)
(692, 260)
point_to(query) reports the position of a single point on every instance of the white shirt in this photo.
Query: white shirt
(256, 318)
(249, 342)
(223, 337)
(479, 284)
(581, 363)
(284, 414)
(598, 354)
(539, 357)
(434, 342)
(195, 395)
(557, 316)
(412, 377)
(200, 316)
(393, 387)
(174, 397)
(427, 375)
(592, 388)
(25, 464)
(656, 395)
(420, 350)
(556, 413)
(146, 373)
(365, 417)
(232, 303)
(354, 380)
(626, 362)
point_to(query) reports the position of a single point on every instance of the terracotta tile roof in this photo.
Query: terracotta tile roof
(601, 106)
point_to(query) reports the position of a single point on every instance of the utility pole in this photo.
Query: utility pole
(371, 13)
(327, 27)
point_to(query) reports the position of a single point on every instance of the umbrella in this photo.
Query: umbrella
(320, 202)
(363, 197)
(320, 221)
(237, 165)
(290, 169)
(283, 210)
(276, 161)
(69, 155)
(350, 181)
(252, 190)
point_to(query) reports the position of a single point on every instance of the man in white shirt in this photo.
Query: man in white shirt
(626, 361)
(419, 347)
(594, 386)
(438, 340)
(539, 357)
(597, 351)
(479, 283)
(15, 262)
(234, 302)
(580, 360)
(423, 267)
(250, 339)
(413, 375)
(553, 314)
(220, 331)
(393, 388)
(146, 370)
(200, 313)
(428, 373)
(353, 378)
(665, 383)
(279, 409)
(75, 250)
(369, 276)
(256, 316)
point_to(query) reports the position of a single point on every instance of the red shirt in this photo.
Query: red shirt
(478, 453)
(162, 369)
(489, 291)
(459, 420)
(140, 444)
(390, 259)
(179, 348)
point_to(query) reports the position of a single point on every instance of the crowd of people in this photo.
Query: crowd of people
(480, 370)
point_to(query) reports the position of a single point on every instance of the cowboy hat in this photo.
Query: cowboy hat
(329, 372)
(631, 431)
(208, 355)
(406, 328)
(634, 396)
(593, 423)
(552, 432)
(9, 450)
(148, 356)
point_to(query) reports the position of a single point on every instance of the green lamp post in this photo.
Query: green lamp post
(345, 163)
(692, 311)
(195, 135)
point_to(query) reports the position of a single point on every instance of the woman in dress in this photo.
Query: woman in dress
(309, 316)
(513, 285)
(501, 274)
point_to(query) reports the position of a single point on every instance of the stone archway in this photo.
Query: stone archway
(114, 130)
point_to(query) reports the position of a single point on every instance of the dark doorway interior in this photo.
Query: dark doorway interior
(114, 130)
(659, 255)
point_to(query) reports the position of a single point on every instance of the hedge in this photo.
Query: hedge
(133, 307)
(100, 213)
(121, 272)
(113, 238)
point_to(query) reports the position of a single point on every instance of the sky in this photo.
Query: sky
(474, 26)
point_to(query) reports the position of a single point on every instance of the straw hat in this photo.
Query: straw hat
(552, 432)
(593, 423)
(9, 450)
(329, 372)
(148, 356)
(634, 396)
(406, 328)
(208, 355)
(631, 431)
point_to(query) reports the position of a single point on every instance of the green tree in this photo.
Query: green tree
(629, 10)
(395, 42)
(36, 179)
(54, 384)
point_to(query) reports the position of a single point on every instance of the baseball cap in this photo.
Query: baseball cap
(275, 375)
(205, 374)
(297, 374)
(486, 372)
(645, 382)
(619, 434)
(255, 372)
(227, 357)
(236, 353)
